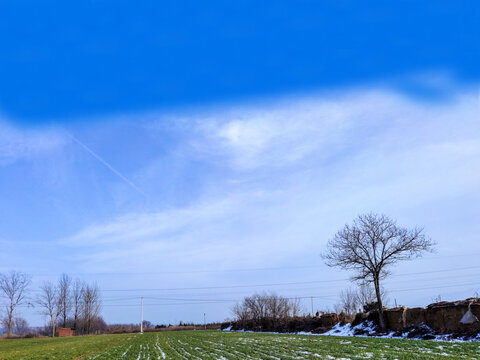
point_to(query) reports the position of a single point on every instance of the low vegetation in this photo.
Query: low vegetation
(78, 347)
(226, 345)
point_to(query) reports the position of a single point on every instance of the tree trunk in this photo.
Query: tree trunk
(379, 302)
(10, 322)
(53, 329)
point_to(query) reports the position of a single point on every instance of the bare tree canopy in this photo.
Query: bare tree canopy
(262, 308)
(90, 306)
(64, 285)
(51, 302)
(76, 301)
(370, 245)
(20, 325)
(349, 301)
(353, 300)
(13, 286)
(367, 297)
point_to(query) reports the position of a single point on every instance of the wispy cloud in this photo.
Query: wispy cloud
(290, 131)
(18, 143)
(246, 186)
(296, 170)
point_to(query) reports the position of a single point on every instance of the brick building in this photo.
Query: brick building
(64, 332)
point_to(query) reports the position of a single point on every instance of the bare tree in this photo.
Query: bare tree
(241, 312)
(337, 308)
(349, 301)
(295, 307)
(371, 245)
(64, 285)
(91, 304)
(367, 298)
(3, 321)
(20, 326)
(13, 286)
(266, 306)
(353, 300)
(147, 324)
(51, 302)
(278, 308)
(257, 306)
(366, 295)
(76, 301)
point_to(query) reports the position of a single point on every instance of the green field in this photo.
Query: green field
(220, 345)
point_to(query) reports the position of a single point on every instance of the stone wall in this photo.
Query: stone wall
(396, 318)
(317, 324)
(443, 316)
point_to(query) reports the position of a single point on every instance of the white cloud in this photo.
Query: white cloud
(204, 233)
(246, 186)
(290, 131)
(148, 225)
(295, 171)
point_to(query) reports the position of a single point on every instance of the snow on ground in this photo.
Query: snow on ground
(348, 330)
(368, 329)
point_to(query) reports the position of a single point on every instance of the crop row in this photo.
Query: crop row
(228, 346)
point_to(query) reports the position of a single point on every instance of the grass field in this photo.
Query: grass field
(219, 345)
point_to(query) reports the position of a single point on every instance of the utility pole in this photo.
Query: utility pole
(205, 321)
(141, 315)
(312, 305)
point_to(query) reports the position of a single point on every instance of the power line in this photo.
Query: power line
(436, 287)
(437, 271)
(224, 287)
(288, 283)
(296, 289)
(219, 301)
(49, 274)
(238, 269)
(282, 284)
(182, 301)
(210, 301)
(190, 299)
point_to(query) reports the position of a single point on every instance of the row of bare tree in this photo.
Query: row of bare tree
(70, 303)
(266, 307)
(66, 303)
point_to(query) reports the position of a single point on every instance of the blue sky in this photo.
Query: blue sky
(161, 146)
(62, 60)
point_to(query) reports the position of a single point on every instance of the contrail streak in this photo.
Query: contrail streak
(115, 171)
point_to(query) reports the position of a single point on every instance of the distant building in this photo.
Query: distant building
(64, 332)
